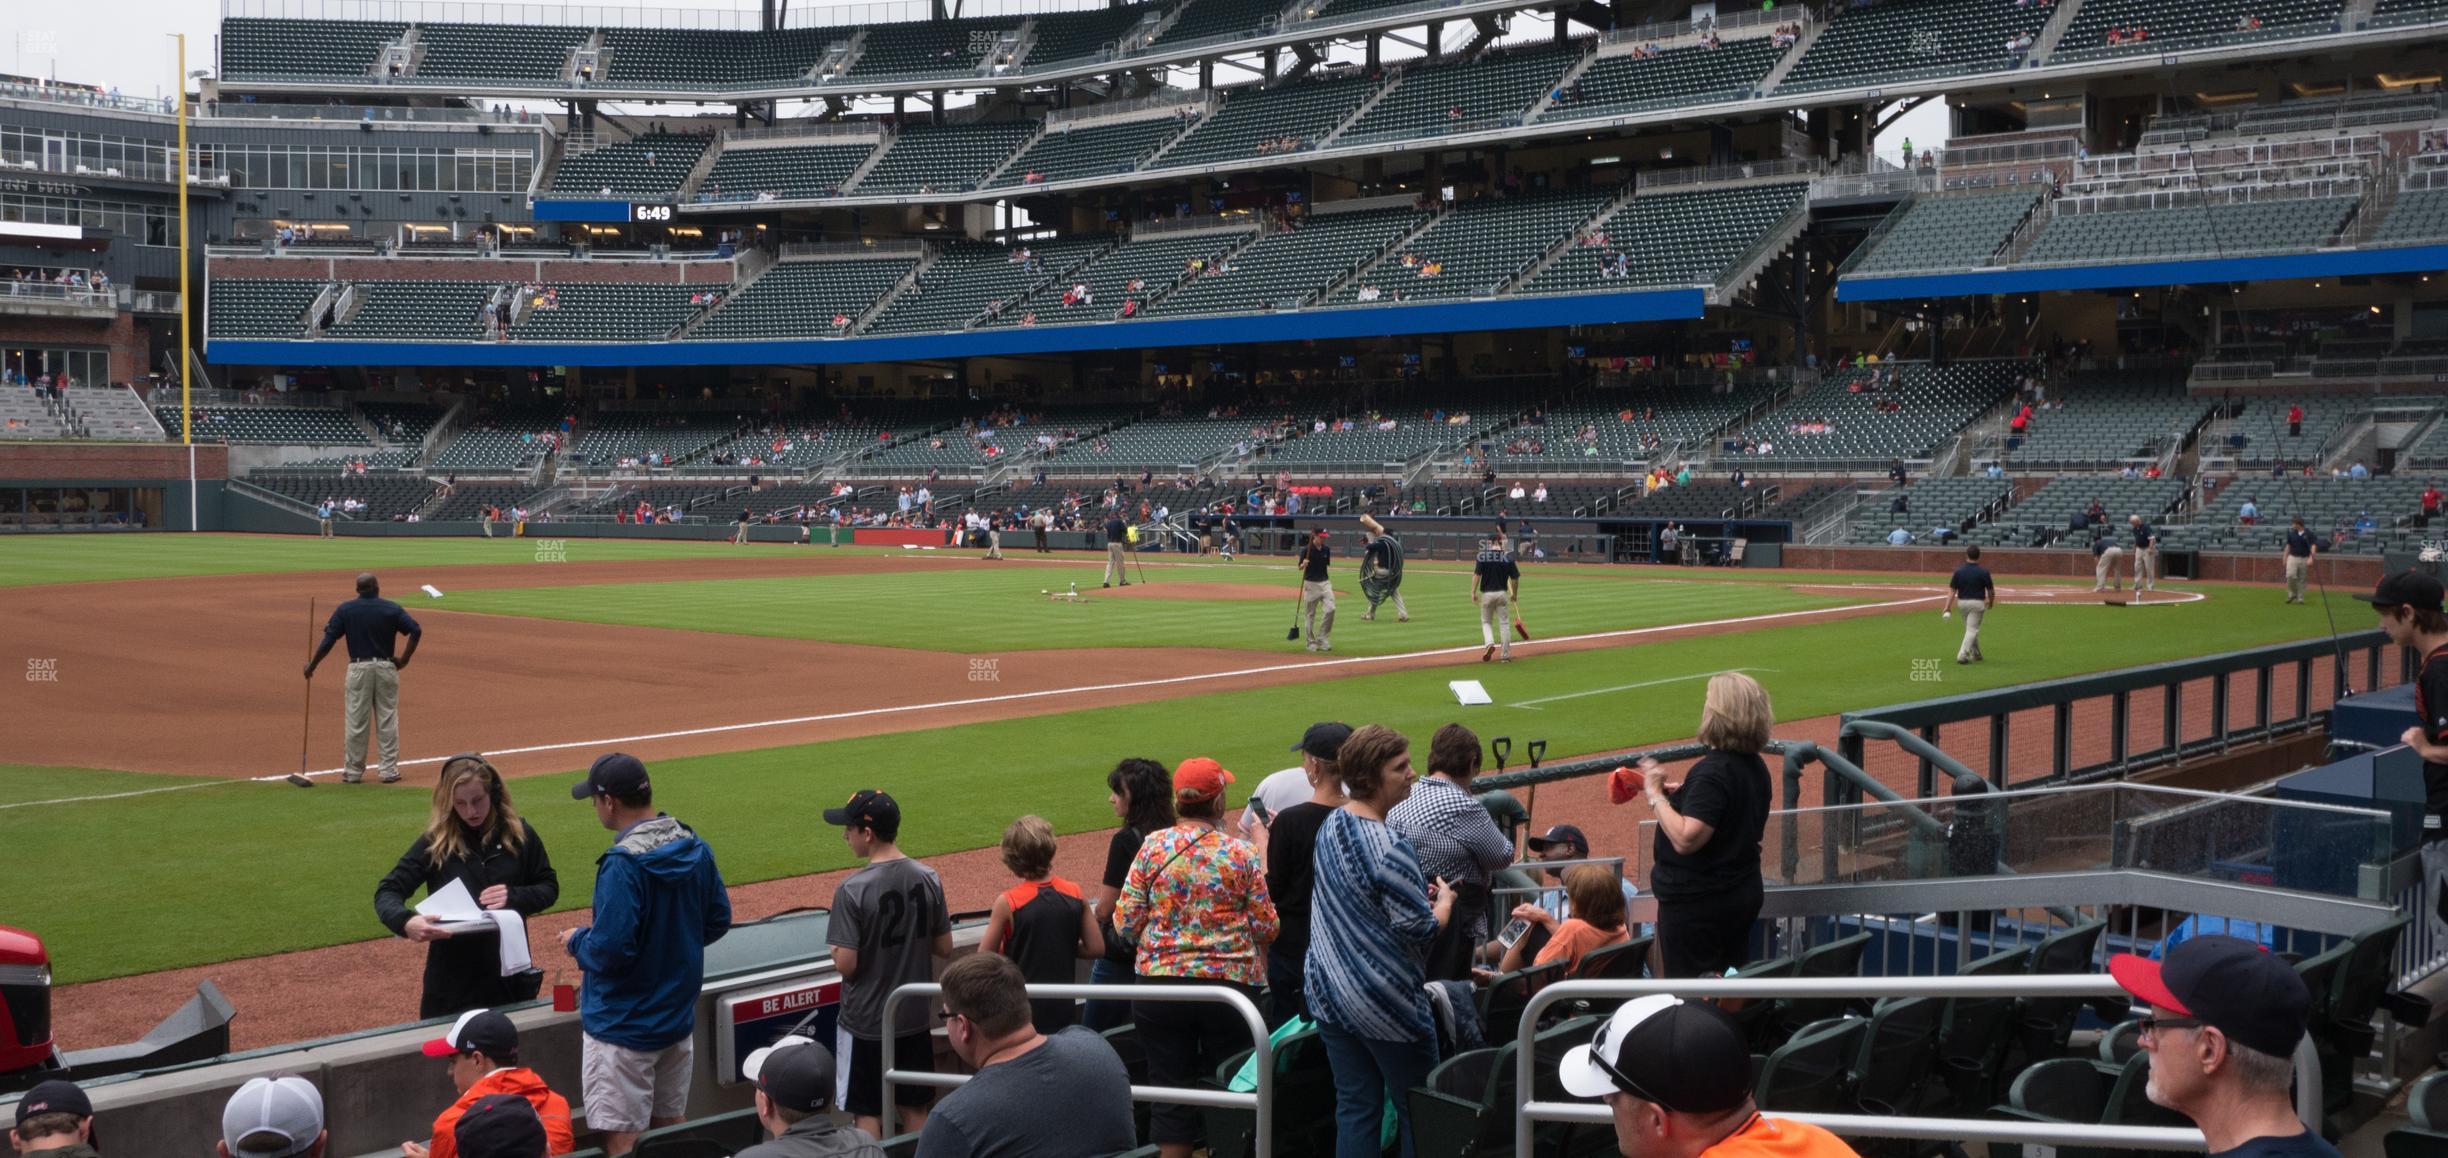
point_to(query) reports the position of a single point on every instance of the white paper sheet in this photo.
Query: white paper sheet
(455, 911)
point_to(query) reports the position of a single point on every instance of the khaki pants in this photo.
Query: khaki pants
(1317, 608)
(2145, 568)
(1496, 621)
(326, 526)
(2298, 569)
(1116, 569)
(487, 524)
(2103, 575)
(1972, 610)
(994, 543)
(371, 702)
(740, 535)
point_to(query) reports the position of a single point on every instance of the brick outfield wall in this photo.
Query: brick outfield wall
(471, 269)
(2343, 571)
(110, 461)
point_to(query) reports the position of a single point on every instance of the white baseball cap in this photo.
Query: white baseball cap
(273, 1117)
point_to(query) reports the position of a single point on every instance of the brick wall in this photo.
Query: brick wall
(2342, 571)
(110, 461)
(128, 342)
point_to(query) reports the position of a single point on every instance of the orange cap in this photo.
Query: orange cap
(1199, 778)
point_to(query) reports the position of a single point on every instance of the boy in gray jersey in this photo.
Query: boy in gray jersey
(889, 923)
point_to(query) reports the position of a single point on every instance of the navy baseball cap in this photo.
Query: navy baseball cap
(477, 1031)
(2406, 589)
(501, 1126)
(54, 1097)
(867, 809)
(1561, 834)
(1323, 740)
(795, 1072)
(2227, 983)
(612, 774)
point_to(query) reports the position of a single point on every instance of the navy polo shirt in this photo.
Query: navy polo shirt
(1971, 581)
(373, 627)
(2142, 535)
(2299, 544)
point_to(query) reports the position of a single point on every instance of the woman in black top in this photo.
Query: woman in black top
(1706, 873)
(1141, 792)
(476, 838)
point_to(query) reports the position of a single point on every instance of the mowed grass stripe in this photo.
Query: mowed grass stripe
(128, 894)
(991, 610)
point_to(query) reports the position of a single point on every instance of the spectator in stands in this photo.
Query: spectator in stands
(2358, 470)
(1042, 923)
(1021, 1073)
(2295, 419)
(2248, 514)
(1290, 807)
(54, 1120)
(2430, 504)
(1677, 1075)
(1600, 922)
(1706, 857)
(794, 1079)
(1373, 924)
(482, 1049)
(1456, 841)
(1196, 905)
(659, 901)
(1899, 537)
(889, 923)
(2225, 1019)
(475, 838)
(278, 1117)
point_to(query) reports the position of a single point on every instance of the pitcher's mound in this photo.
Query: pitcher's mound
(1205, 592)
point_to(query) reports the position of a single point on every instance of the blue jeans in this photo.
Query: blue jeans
(1365, 1071)
(1104, 1014)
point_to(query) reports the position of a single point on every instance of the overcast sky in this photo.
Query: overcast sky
(123, 44)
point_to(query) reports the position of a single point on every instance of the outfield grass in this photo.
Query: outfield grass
(996, 609)
(204, 874)
(35, 559)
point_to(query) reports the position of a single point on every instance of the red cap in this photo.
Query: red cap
(1200, 778)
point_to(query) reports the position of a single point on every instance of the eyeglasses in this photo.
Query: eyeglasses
(2151, 1026)
(947, 1015)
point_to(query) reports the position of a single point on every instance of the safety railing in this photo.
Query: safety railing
(2110, 700)
(1260, 1101)
(1529, 1111)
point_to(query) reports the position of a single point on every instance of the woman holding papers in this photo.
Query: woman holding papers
(476, 841)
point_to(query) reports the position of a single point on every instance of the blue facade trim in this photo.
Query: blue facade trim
(588, 209)
(2272, 267)
(1303, 325)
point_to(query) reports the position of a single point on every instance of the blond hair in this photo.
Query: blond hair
(445, 837)
(1596, 894)
(1735, 716)
(1028, 847)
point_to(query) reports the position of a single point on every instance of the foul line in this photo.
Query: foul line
(1047, 693)
(1628, 687)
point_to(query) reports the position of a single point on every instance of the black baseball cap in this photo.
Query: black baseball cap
(612, 774)
(2227, 983)
(1324, 739)
(2406, 589)
(1560, 834)
(1685, 1056)
(477, 1031)
(54, 1097)
(501, 1126)
(795, 1073)
(869, 808)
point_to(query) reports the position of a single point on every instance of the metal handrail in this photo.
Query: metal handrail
(1260, 1101)
(1529, 1112)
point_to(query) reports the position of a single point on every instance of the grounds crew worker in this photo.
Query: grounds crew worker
(1495, 585)
(2104, 549)
(2300, 549)
(373, 626)
(1381, 569)
(1971, 589)
(1677, 1076)
(1317, 602)
(1116, 532)
(2145, 554)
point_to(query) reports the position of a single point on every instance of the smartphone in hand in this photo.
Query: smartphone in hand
(1258, 808)
(1513, 932)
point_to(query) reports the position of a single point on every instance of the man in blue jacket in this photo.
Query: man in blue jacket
(659, 901)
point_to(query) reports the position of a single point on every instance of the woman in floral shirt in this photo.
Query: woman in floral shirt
(1196, 905)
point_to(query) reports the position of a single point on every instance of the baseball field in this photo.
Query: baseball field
(142, 762)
